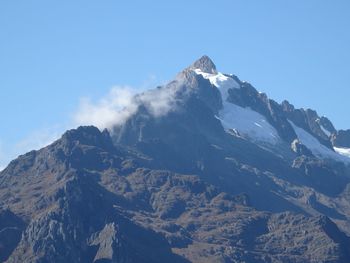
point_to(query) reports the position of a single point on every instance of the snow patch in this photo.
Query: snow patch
(219, 80)
(343, 151)
(254, 126)
(248, 123)
(316, 147)
(327, 132)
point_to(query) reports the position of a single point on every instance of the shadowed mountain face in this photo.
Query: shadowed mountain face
(222, 174)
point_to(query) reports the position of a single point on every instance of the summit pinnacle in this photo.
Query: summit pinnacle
(205, 64)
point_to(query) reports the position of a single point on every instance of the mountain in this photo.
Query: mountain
(202, 169)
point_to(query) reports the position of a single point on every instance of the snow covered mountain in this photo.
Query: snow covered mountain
(203, 169)
(260, 119)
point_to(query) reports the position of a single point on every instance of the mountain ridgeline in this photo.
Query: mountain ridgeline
(209, 170)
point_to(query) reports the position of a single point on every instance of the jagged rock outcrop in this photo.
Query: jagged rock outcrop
(310, 121)
(205, 64)
(341, 138)
(301, 149)
(11, 227)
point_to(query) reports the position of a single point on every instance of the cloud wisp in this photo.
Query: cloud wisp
(113, 109)
(121, 103)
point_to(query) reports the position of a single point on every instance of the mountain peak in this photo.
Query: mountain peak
(205, 64)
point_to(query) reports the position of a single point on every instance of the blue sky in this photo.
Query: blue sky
(54, 53)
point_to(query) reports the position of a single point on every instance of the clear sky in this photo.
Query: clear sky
(53, 53)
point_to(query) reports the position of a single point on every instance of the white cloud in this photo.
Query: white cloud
(112, 109)
(159, 101)
(120, 103)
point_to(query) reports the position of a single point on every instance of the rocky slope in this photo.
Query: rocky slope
(217, 173)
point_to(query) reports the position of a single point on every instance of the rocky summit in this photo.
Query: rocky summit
(203, 169)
